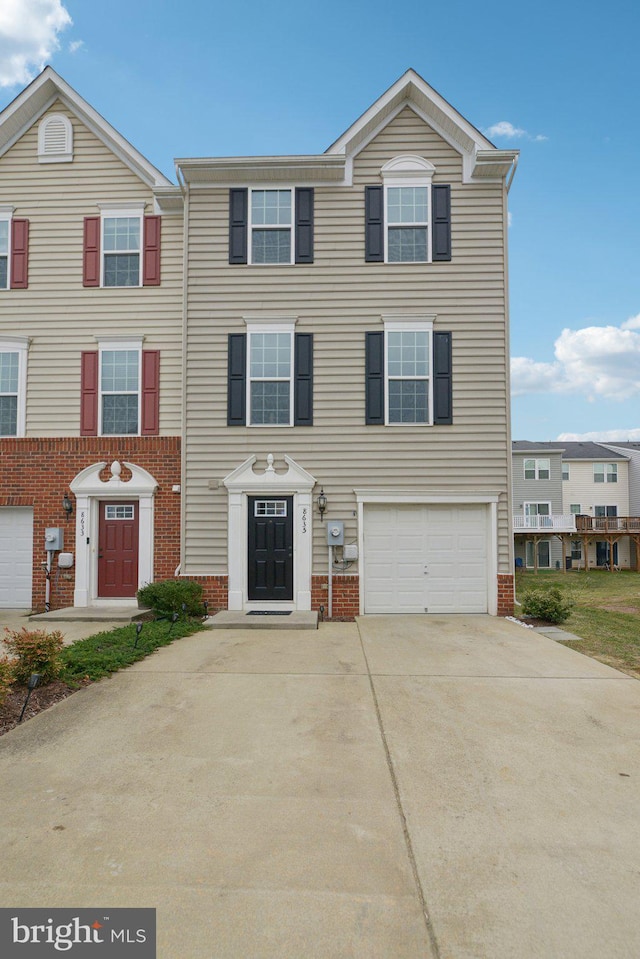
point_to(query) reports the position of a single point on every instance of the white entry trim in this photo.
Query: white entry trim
(394, 497)
(244, 482)
(89, 489)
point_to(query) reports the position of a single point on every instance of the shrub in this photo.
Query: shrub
(549, 605)
(169, 595)
(37, 651)
(6, 677)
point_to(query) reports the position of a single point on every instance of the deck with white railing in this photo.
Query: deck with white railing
(556, 523)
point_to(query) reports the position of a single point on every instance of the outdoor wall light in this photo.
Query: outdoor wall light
(322, 501)
(67, 505)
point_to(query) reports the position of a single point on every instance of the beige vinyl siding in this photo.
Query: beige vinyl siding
(61, 317)
(339, 298)
(581, 489)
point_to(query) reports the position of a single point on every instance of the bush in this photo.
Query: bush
(169, 595)
(550, 605)
(37, 651)
(6, 677)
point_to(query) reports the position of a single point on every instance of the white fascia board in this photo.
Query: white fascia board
(227, 171)
(35, 99)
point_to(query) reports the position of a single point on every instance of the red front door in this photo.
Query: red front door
(118, 550)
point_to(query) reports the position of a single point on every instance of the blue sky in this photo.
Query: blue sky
(558, 80)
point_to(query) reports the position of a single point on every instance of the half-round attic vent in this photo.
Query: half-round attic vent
(55, 139)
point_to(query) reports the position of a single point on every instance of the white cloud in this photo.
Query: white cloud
(29, 31)
(633, 323)
(503, 130)
(75, 45)
(597, 362)
(602, 436)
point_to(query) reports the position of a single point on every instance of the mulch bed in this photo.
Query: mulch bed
(41, 698)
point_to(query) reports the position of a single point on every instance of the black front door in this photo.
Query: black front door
(271, 548)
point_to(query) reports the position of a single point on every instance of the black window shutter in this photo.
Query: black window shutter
(236, 380)
(303, 380)
(304, 225)
(238, 225)
(374, 383)
(442, 392)
(441, 222)
(374, 224)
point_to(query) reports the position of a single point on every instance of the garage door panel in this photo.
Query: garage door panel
(16, 557)
(450, 542)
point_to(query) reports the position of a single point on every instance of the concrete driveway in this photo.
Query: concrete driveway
(400, 788)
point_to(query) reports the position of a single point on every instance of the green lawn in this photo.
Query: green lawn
(606, 612)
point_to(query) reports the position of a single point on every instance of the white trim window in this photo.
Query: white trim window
(271, 219)
(407, 204)
(5, 249)
(270, 355)
(13, 385)
(537, 469)
(538, 515)
(566, 475)
(121, 245)
(120, 365)
(408, 377)
(605, 472)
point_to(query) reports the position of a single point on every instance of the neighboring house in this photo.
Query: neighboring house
(346, 342)
(598, 522)
(90, 356)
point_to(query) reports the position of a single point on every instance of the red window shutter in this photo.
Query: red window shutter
(91, 252)
(89, 393)
(150, 419)
(151, 258)
(19, 254)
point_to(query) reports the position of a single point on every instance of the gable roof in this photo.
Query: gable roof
(482, 158)
(35, 100)
(570, 450)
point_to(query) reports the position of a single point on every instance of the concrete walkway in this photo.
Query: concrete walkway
(400, 788)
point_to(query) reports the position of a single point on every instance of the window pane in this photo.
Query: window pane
(122, 269)
(407, 204)
(3, 272)
(9, 364)
(4, 237)
(119, 415)
(408, 401)
(612, 473)
(408, 354)
(8, 415)
(270, 403)
(270, 355)
(271, 207)
(120, 371)
(122, 233)
(407, 245)
(271, 246)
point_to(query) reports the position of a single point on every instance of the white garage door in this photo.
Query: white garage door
(425, 559)
(16, 557)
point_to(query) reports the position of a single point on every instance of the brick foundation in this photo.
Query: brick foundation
(506, 595)
(345, 596)
(215, 591)
(37, 473)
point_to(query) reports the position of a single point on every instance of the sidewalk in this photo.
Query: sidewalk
(400, 788)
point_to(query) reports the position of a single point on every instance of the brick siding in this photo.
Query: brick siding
(506, 594)
(37, 473)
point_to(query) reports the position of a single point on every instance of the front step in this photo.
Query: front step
(232, 619)
(92, 614)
